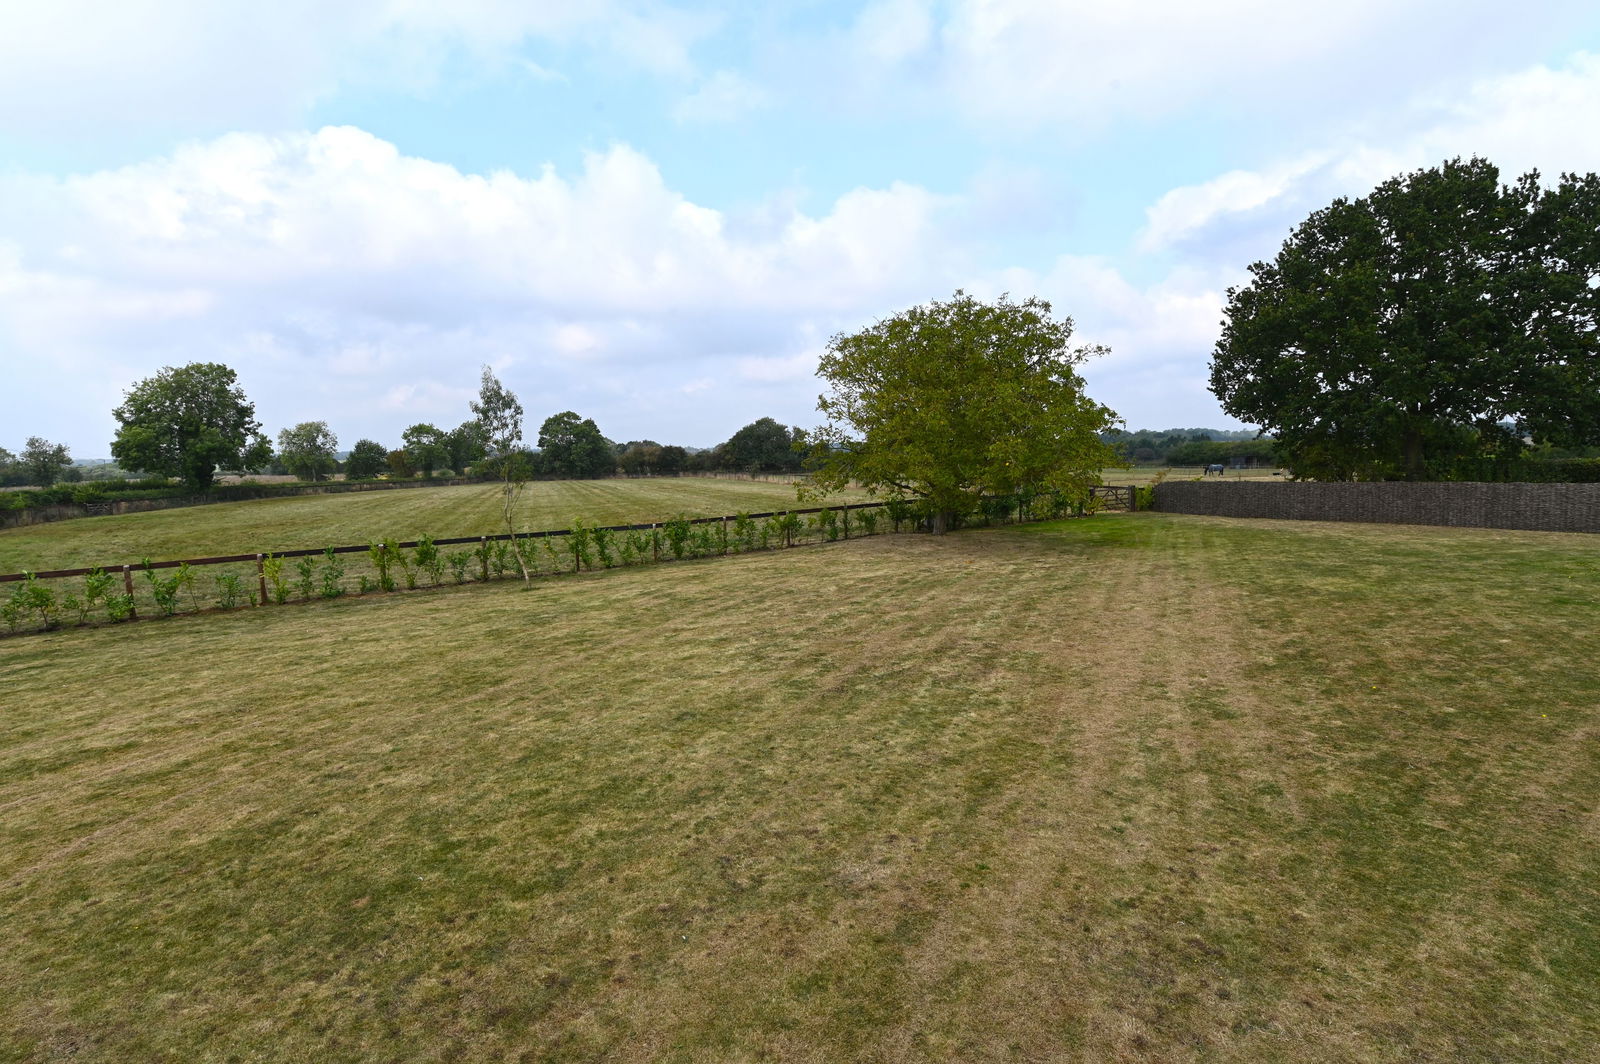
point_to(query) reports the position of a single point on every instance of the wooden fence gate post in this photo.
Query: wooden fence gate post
(127, 583)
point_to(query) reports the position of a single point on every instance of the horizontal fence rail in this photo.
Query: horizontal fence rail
(455, 541)
(247, 580)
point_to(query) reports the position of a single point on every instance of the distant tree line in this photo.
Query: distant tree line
(1183, 447)
(194, 422)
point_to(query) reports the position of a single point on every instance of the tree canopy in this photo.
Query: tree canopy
(367, 459)
(307, 450)
(762, 446)
(570, 446)
(44, 462)
(1423, 330)
(188, 422)
(951, 401)
(425, 447)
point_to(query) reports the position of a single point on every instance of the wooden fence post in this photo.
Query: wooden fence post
(127, 583)
(261, 578)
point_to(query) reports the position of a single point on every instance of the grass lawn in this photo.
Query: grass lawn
(309, 521)
(1139, 787)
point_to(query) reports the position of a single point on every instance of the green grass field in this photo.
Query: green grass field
(1138, 787)
(314, 521)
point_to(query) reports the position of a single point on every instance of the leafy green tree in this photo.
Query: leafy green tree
(400, 463)
(1422, 330)
(425, 447)
(951, 401)
(640, 458)
(464, 445)
(499, 415)
(43, 461)
(188, 422)
(10, 469)
(570, 446)
(762, 446)
(307, 450)
(367, 459)
(673, 460)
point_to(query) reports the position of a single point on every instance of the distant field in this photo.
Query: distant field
(335, 520)
(1145, 474)
(1137, 787)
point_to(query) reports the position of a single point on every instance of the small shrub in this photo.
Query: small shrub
(97, 584)
(272, 569)
(32, 597)
(744, 531)
(408, 572)
(229, 589)
(579, 541)
(996, 508)
(605, 542)
(119, 606)
(166, 590)
(305, 577)
(500, 558)
(429, 560)
(552, 554)
(332, 575)
(900, 511)
(702, 541)
(484, 554)
(869, 521)
(788, 526)
(826, 524)
(384, 555)
(677, 534)
(627, 549)
(459, 562)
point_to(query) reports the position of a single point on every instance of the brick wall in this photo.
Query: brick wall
(1536, 507)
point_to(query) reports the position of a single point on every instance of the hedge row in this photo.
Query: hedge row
(166, 588)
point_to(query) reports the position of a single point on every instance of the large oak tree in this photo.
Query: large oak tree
(1400, 334)
(187, 422)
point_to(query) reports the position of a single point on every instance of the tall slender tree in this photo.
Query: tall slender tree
(500, 415)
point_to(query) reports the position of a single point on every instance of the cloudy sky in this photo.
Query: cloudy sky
(656, 214)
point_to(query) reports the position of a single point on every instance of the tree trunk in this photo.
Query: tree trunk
(1414, 468)
(941, 521)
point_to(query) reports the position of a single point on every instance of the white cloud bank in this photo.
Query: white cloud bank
(81, 67)
(344, 279)
(1539, 118)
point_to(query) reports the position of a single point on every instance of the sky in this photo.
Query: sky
(657, 214)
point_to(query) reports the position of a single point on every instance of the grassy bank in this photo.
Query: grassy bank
(1137, 787)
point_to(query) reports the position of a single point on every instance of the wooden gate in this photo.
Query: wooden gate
(1113, 497)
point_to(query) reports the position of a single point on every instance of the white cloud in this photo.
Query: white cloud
(887, 32)
(350, 282)
(723, 97)
(86, 67)
(1026, 62)
(1522, 121)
